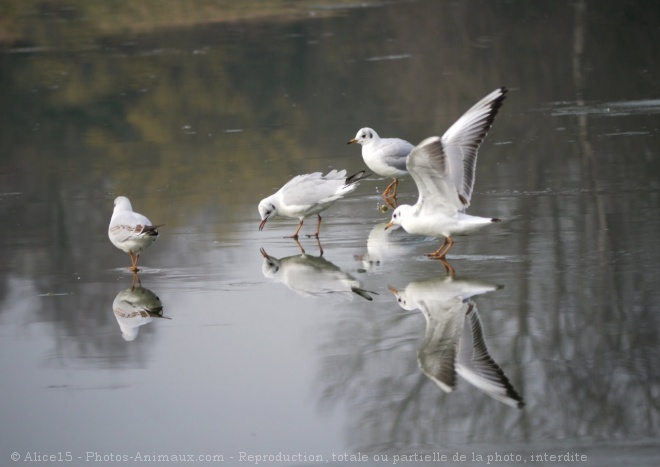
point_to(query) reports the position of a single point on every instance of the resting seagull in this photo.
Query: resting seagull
(130, 231)
(385, 156)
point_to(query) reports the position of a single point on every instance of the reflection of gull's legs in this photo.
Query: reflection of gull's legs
(440, 253)
(448, 267)
(318, 228)
(295, 235)
(318, 242)
(135, 276)
(302, 250)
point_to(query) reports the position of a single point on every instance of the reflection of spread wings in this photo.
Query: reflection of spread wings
(462, 140)
(437, 353)
(428, 165)
(475, 365)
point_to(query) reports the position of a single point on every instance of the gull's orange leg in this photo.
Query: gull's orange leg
(440, 253)
(318, 228)
(295, 235)
(391, 202)
(386, 193)
(396, 187)
(134, 261)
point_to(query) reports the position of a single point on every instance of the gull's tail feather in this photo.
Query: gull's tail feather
(363, 293)
(361, 175)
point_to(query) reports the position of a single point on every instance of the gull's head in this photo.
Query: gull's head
(364, 136)
(398, 214)
(122, 204)
(266, 209)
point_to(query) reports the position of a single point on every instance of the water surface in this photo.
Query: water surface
(197, 121)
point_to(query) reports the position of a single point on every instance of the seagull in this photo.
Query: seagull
(313, 276)
(454, 340)
(308, 194)
(385, 156)
(130, 231)
(443, 169)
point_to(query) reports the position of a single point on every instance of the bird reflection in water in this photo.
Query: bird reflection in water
(454, 341)
(313, 276)
(135, 307)
(384, 245)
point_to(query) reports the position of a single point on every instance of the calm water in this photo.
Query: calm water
(198, 123)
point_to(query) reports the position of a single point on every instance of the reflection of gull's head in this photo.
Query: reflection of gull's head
(135, 307)
(403, 300)
(271, 266)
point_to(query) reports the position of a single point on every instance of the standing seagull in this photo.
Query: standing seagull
(308, 194)
(130, 231)
(385, 156)
(444, 172)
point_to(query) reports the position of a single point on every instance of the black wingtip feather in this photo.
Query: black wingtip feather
(361, 175)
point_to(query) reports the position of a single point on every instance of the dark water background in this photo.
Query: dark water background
(197, 113)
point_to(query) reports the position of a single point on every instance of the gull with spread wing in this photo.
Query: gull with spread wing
(444, 171)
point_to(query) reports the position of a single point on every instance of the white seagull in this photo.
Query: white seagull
(454, 340)
(444, 172)
(305, 195)
(385, 156)
(312, 276)
(130, 231)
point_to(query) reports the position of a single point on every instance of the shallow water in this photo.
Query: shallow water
(196, 124)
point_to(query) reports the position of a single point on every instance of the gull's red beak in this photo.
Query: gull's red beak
(389, 225)
(352, 141)
(262, 223)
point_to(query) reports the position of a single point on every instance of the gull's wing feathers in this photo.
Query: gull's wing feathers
(428, 165)
(436, 355)
(127, 225)
(315, 188)
(394, 152)
(462, 140)
(475, 365)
